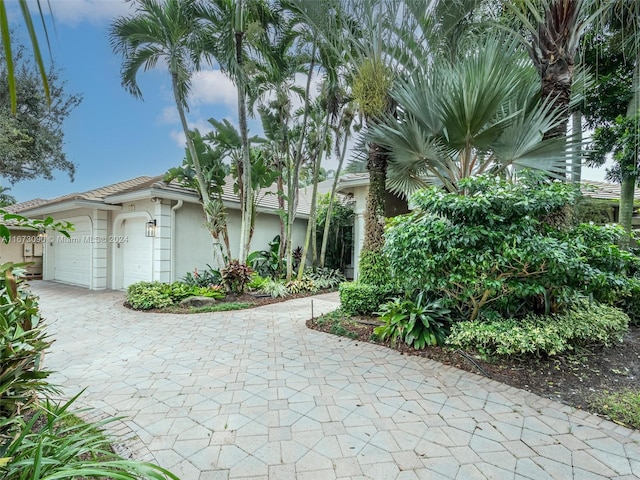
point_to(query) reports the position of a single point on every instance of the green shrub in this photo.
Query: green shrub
(205, 278)
(305, 284)
(275, 288)
(236, 276)
(374, 268)
(149, 295)
(22, 344)
(325, 277)
(581, 325)
(257, 281)
(492, 248)
(418, 323)
(53, 443)
(362, 299)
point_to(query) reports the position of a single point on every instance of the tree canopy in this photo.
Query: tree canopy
(32, 138)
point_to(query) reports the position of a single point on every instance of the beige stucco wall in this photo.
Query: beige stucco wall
(194, 245)
(24, 246)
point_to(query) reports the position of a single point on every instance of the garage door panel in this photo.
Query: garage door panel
(72, 256)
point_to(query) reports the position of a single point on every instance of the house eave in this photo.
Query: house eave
(150, 193)
(69, 205)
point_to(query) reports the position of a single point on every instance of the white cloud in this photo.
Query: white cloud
(73, 12)
(177, 135)
(169, 115)
(212, 87)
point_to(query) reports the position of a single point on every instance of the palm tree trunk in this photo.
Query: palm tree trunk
(327, 221)
(625, 216)
(247, 200)
(294, 170)
(314, 194)
(375, 209)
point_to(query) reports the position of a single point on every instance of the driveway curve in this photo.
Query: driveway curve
(254, 394)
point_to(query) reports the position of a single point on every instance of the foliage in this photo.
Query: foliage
(218, 307)
(622, 139)
(22, 345)
(148, 295)
(325, 278)
(305, 284)
(14, 220)
(340, 235)
(469, 116)
(374, 268)
(275, 288)
(205, 278)
(620, 407)
(358, 298)
(31, 136)
(53, 443)
(418, 323)
(489, 249)
(338, 321)
(235, 276)
(581, 325)
(267, 263)
(256, 281)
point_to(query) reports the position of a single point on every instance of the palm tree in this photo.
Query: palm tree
(5, 32)
(165, 31)
(226, 24)
(467, 117)
(553, 40)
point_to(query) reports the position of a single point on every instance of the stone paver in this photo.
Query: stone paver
(255, 394)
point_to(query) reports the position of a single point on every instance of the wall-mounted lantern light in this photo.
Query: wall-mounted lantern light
(150, 230)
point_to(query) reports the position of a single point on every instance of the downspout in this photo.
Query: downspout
(176, 207)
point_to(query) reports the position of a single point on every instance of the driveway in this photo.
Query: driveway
(254, 394)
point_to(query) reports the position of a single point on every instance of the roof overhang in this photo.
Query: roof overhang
(68, 205)
(153, 192)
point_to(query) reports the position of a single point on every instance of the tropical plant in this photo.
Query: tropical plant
(469, 117)
(5, 31)
(267, 263)
(418, 322)
(582, 324)
(204, 278)
(169, 32)
(335, 223)
(54, 443)
(364, 299)
(275, 288)
(23, 342)
(235, 28)
(235, 276)
(487, 250)
(325, 277)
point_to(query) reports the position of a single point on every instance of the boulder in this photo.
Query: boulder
(197, 301)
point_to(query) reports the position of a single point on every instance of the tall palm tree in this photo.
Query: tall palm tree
(227, 24)
(165, 31)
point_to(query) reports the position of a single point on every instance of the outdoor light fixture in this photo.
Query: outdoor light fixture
(150, 230)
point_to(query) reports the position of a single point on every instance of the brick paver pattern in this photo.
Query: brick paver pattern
(254, 394)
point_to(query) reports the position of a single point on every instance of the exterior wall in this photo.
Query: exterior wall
(192, 242)
(24, 246)
(360, 197)
(194, 245)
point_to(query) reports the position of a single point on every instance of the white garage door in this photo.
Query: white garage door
(137, 252)
(72, 256)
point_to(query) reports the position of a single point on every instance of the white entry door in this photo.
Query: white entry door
(137, 252)
(72, 256)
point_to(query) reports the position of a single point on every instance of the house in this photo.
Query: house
(139, 229)
(357, 186)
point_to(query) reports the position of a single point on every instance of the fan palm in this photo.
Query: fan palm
(471, 116)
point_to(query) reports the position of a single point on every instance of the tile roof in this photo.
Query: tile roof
(268, 199)
(603, 190)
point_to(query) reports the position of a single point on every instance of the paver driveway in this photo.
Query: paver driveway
(255, 394)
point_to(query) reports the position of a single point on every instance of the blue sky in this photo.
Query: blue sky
(113, 136)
